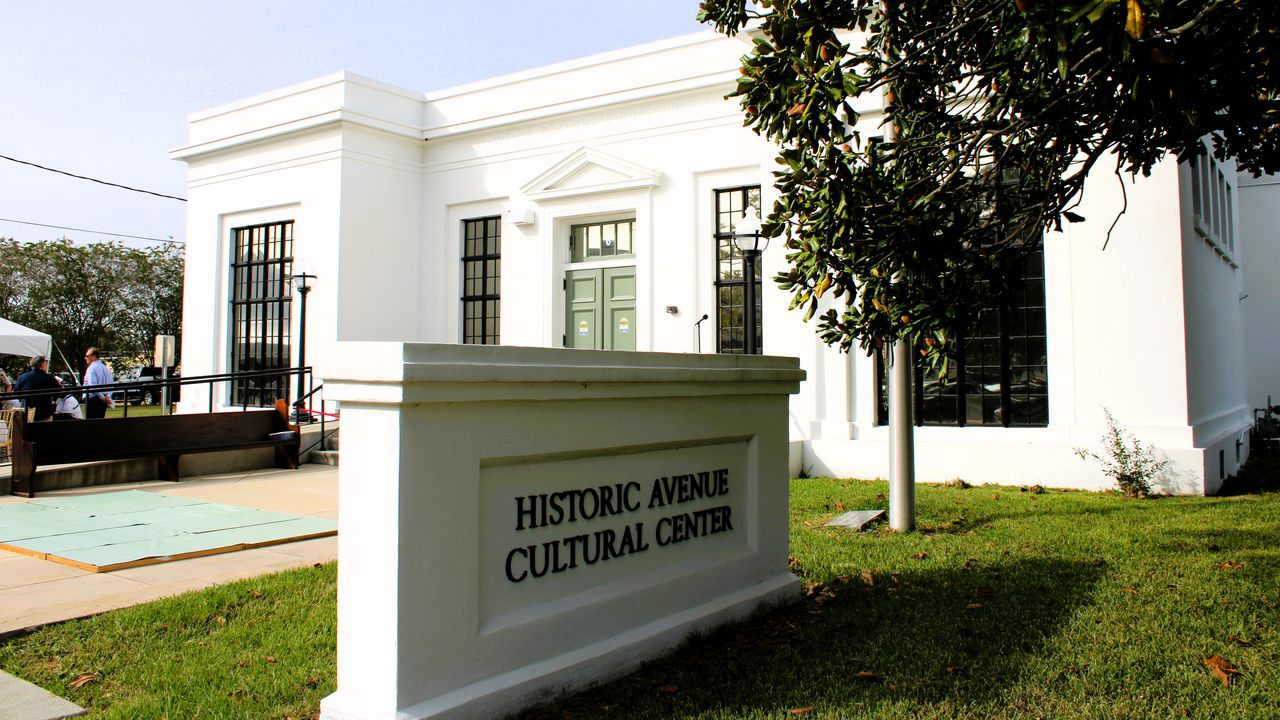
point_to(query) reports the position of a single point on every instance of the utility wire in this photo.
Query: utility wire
(82, 177)
(96, 232)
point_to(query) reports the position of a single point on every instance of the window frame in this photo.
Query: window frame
(260, 300)
(999, 329)
(730, 271)
(488, 301)
(574, 247)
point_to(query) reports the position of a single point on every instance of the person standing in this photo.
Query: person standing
(37, 378)
(96, 403)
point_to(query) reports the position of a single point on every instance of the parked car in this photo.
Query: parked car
(148, 394)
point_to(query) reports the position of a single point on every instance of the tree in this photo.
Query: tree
(100, 294)
(1003, 108)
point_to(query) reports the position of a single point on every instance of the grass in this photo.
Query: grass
(134, 411)
(259, 648)
(1007, 603)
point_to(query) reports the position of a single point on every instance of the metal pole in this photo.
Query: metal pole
(302, 353)
(902, 467)
(902, 462)
(749, 300)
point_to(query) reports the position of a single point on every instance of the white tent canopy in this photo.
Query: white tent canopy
(18, 340)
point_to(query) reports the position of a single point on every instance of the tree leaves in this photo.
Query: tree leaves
(1221, 668)
(98, 294)
(1002, 110)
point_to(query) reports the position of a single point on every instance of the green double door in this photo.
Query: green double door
(600, 307)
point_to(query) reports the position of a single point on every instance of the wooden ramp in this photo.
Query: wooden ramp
(116, 530)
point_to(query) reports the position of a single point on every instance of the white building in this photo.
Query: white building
(585, 205)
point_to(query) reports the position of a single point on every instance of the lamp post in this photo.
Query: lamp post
(302, 282)
(749, 241)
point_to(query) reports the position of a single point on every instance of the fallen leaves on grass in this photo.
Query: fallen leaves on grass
(839, 506)
(82, 679)
(974, 606)
(802, 711)
(1222, 669)
(255, 593)
(1239, 640)
(868, 577)
(868, 676)
(1228, 565)
(1129, 590)
(268, 658)
(920, 556)
(312, 682)
(669, 689)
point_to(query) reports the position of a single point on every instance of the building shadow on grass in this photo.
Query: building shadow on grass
(956, 636)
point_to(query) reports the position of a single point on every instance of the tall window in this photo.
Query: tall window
(261, 304)
(730, 275)
(1001, 376)
(481, 266)
(1211, 203)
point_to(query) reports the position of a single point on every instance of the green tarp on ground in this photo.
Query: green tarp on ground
(122, 528)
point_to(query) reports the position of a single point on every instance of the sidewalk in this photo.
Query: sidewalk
(36, 592)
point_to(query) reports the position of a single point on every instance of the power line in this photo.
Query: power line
(95, 232)
(83, 177)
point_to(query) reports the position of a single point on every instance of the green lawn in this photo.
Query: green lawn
(134, 411)
(1008, 603)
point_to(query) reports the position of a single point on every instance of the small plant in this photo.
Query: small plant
(1132, 464)
(958, 483)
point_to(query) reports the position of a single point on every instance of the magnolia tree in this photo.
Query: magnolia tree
(1001, 109)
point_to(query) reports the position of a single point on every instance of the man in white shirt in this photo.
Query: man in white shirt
(96, 403)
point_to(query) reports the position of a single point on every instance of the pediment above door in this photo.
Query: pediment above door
(585, 172)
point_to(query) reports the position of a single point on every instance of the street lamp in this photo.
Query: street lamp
(302, 282)
(750, 243)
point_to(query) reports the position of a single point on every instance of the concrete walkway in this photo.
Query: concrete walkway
(20, 700)
(37, 592)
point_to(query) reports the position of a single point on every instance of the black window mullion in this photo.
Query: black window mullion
(261, 297)
(481, 268)
(962, 400)
(1006, 374)
(730, 272)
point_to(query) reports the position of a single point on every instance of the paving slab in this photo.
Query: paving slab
(854, 519)
(34, 592)
(20, 700)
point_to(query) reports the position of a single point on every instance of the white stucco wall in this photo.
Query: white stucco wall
(379, 179)
(1260, 283)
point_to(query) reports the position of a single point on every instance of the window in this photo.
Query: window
(602, 240)
(1001, 377)
(261, 304)
(1211, 203)
(730, 274)
(481, 276)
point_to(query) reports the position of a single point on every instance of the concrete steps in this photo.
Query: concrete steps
(327, 454)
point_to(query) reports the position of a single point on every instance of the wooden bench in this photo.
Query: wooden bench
(165, 437)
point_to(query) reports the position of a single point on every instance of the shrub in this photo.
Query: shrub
(1132, 464)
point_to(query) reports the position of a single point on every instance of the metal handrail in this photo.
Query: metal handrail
(211, 380)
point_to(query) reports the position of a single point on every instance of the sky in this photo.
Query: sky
(104, 89)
